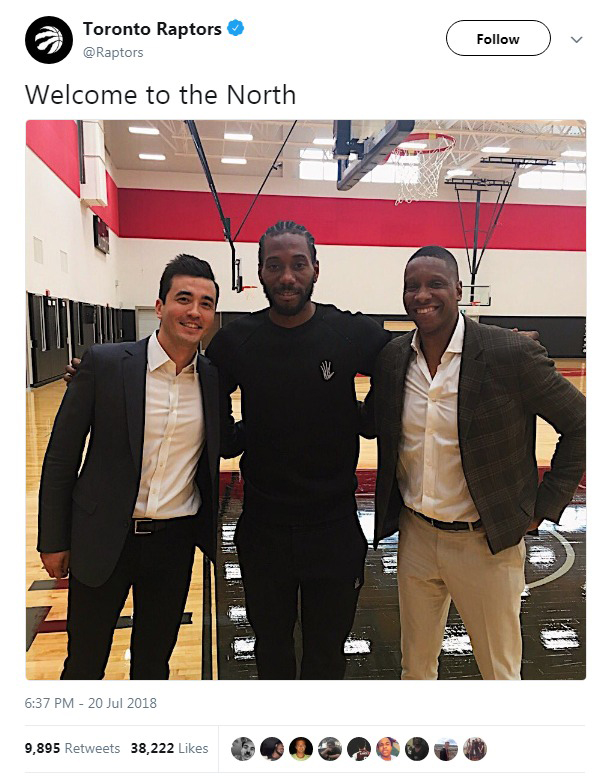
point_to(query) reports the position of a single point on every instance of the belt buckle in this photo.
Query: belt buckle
(142, 531)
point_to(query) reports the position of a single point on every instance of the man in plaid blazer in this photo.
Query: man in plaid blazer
(455, 405)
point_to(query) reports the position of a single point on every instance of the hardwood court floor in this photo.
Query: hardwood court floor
(46, 600)
(552, 610)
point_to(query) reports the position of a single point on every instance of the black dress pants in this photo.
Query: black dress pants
(158, 566)
(324, 563)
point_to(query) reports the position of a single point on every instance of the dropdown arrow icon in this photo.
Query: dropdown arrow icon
(577, 40)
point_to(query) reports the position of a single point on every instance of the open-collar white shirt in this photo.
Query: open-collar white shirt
(430, 471)
(174, 436)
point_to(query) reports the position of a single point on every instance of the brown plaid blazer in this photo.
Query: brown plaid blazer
(505, 381)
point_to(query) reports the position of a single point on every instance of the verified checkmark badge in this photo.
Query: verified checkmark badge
(235, 27)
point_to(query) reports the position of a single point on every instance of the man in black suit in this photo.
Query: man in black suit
(147, 492)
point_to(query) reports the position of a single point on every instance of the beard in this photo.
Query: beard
(291, 310)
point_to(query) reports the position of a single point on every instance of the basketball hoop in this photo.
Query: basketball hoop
(419, 159)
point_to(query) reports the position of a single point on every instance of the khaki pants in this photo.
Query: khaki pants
(436, 565)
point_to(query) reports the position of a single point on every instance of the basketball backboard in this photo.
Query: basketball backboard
(476, 295)
(362, 145)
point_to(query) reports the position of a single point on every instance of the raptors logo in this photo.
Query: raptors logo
(326, 370)
(48, 39)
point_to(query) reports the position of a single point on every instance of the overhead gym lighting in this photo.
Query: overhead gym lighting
(143, 131)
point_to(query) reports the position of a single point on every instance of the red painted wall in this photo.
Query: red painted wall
(110, 213)
(55, 143)
(173, 214)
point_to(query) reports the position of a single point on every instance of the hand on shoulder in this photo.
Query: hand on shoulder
(71, 369)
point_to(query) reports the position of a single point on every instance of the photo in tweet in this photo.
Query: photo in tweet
(339, 519)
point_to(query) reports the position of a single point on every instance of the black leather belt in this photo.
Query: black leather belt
(449, 525)
(147, 526)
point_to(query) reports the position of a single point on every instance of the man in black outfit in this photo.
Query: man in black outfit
(295, 364)
(148, 490)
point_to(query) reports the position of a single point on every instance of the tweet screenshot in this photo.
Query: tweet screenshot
(304, 463)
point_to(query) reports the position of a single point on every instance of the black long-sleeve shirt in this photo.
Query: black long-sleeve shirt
(300, 412)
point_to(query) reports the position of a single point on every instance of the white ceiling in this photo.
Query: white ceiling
(524, 137)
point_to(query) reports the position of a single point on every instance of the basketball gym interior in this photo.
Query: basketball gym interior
(109, 203)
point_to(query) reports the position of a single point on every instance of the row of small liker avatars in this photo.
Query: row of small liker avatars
(358, 748)
(452, 405)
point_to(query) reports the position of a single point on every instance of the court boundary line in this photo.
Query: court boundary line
(570, 558)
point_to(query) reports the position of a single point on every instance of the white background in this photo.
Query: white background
(369, 60)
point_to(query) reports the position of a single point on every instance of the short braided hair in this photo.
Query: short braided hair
(287, 227)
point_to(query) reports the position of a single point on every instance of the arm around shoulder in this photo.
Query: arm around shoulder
(377, 340)
(232, 433)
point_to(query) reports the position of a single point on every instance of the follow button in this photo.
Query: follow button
(498, 37)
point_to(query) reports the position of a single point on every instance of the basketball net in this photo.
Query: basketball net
(419, 160)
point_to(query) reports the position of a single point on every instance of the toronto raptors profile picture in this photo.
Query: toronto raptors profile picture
(48, 39)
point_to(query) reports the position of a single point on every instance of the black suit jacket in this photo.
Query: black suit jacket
(90, 513)
(505, 380)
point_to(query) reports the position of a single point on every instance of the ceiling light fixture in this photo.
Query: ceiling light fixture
(234, 161)
(148, 131)
(145, 156)
(238, 136)
(496, 150)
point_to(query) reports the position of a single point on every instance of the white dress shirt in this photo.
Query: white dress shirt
(430, 472)
(174, 435)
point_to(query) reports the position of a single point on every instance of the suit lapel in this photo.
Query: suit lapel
(208, 379)
(400, 367)
(135, 380)
(470, 378)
